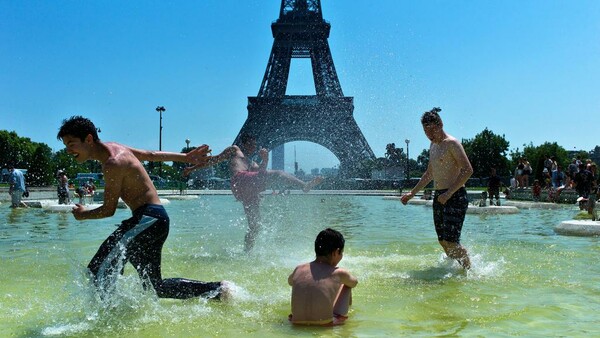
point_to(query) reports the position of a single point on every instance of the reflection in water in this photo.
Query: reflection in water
(16, 215)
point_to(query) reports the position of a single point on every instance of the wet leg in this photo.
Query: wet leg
(146, 254)
(282, 178)
(458, 252)
(252, 211)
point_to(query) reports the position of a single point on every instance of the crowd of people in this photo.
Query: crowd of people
(85, 190)
(580, 176)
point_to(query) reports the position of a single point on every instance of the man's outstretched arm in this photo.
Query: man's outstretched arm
(198, 155)
(225, 155)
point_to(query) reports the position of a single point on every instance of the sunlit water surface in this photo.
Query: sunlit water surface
(525, 281)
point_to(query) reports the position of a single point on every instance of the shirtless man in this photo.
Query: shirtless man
(449, 168)
(322, 292)
(249, 179)
(139, 239)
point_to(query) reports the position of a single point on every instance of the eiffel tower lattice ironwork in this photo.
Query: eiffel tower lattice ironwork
(325, 118)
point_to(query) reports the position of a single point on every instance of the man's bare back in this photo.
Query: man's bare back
(315, 286)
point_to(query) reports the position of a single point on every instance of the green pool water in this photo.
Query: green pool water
(525, 280)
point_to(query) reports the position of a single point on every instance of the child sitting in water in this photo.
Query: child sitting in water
(321, 292)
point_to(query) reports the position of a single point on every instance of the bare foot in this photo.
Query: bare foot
(315, 181)
(225, 291)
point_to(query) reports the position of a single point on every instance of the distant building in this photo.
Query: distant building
(300, 174)
(389, 173)
(278, 158)
(330, 172)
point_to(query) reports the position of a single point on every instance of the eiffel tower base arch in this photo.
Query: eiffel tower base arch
(328, 122)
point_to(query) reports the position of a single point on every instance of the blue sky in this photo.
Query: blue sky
(528, 70)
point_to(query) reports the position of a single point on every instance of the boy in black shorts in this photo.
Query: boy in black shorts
(139, 239)
(449, 168)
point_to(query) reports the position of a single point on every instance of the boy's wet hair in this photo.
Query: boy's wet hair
(328, 241)
(431, 117)
(77, 126)
(245, 137)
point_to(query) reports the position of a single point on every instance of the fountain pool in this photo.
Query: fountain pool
(526, 280)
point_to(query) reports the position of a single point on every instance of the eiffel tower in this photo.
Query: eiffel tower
(325, 118)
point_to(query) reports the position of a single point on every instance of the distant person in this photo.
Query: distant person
(139, 239)
(536, 190)
(572, 169)
(449, 168)
(519, 173)
(547, 164)
(81, 192)
(554, 163)
(483, 200)
(91, 186)
(558, 177)
(527, 171)
(513, 182)
(321, 291)
(583, 181)
(494, 185)
(62, 188)
(17, 187)
(249, 179)
(547, 177)
(595, 189)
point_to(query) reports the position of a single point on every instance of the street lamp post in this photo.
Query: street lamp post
(160, 110)
(407, 161)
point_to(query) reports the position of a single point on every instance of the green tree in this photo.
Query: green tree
(171, 173)
(394, 155)
(41, 171)
(487, 150)
(422, 161)
(15, 149)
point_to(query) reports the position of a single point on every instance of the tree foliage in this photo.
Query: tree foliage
(15, 150)
(422, 161)
(40, 171)
(395, 156)
(487, 150)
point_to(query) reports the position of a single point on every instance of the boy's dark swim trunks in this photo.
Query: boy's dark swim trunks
(139, 240)
(448, 218)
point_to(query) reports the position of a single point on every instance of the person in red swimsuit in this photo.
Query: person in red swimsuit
(249, 179)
